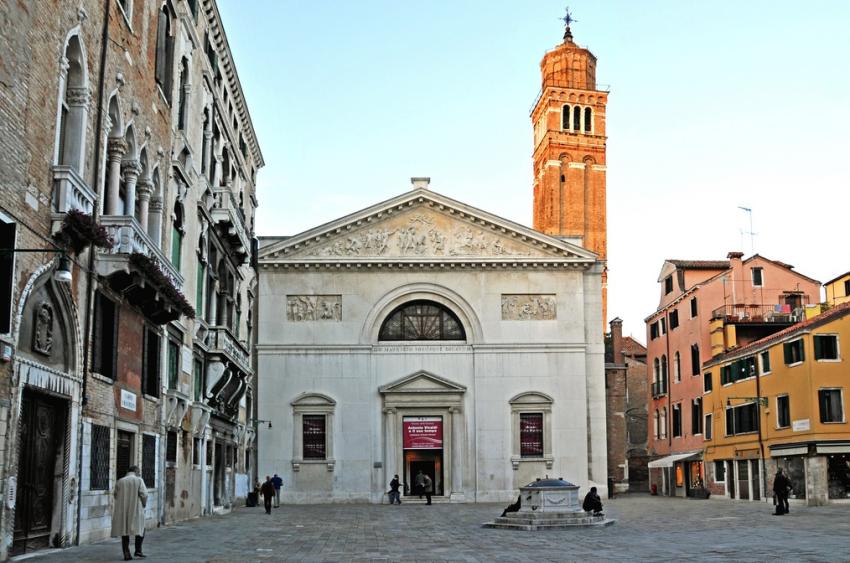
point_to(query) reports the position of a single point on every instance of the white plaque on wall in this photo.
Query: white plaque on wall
(801, 425)
(128, 400)
(187, 360)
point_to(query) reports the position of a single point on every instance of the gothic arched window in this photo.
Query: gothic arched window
(588, 120)
(422, 320)
(164, 52)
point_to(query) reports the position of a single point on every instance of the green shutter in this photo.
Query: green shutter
(802, 350)
(786, 348)
(818, 347)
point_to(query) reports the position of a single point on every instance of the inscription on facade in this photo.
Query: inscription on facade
(313, 308)
(528, 307)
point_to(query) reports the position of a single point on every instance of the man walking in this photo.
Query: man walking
(429, 488)
(267, 490)
(781, 486)
(278, 483)
(395, 495)
(419, 483)
(128, 514)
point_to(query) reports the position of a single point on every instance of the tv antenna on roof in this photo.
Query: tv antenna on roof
(752, 234)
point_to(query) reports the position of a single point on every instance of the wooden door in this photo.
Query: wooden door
(42, 433)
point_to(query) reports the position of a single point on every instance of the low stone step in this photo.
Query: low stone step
(549, 525)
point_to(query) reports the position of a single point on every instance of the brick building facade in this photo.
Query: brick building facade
(626, 407)
(128, 115)
(569, 151)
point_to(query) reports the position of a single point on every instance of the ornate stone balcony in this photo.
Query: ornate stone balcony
(222, 342)
(70, 191)
(227, 213)
(129, 237)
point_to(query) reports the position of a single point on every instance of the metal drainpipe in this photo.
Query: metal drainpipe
(763, 483)
(667, 385)
(92, 252)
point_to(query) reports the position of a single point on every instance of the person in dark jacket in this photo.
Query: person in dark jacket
(267, 490)
(592, 502)
(428, 489)
(513, 507)
(781, 486)
(394, 494)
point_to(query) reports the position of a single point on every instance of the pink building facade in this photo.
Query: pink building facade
(707, 307)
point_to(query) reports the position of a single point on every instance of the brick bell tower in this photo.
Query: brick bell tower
(569, 151)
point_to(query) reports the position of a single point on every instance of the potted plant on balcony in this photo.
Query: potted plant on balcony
(153, 272)
(79, 231)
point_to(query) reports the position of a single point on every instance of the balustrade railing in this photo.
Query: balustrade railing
(129, 237)
(70, 191)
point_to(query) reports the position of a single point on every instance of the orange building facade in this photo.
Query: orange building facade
(569, 151)
(706, 308)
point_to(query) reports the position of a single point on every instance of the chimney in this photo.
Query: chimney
(617, 340)
(420, 183)
(732, 256)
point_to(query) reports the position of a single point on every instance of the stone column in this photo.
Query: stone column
(115, 150)
(155, 220)
(457, 454)
(207, 152)
(145, 189)
(391, 447)
(130, 170)
(75, 137)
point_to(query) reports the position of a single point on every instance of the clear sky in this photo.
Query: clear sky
(713, 105)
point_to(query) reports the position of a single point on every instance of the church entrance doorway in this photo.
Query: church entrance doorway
(423, 451)
(430, 463)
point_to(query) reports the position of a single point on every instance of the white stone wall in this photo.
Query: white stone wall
(562, 358)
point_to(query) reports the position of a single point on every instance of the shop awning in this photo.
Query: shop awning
(671, 459)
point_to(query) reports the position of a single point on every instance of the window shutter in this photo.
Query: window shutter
(786, 348)
(802, 350)
(818, 347)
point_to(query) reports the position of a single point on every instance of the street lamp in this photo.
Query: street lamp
(62, 274)
(259, 420)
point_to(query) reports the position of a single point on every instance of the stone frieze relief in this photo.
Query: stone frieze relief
(528, 307)
(313, 308)
(420, 235)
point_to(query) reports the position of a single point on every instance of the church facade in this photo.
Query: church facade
(424, 335)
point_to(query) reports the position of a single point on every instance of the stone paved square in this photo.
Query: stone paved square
(647, 528)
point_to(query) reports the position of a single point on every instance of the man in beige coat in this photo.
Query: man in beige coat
(128, 515)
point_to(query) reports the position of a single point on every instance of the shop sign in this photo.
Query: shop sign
(423, 432)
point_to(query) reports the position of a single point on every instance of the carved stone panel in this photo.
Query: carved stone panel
(42, 335)
(313, 308)
(528, 307)
(420, 234)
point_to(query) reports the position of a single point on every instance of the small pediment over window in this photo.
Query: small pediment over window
(313, 400)
(532, 398)
(422, 382)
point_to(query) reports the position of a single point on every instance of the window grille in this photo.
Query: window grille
(531, 434)
(99, 480)
(422, 320)
(149, 460)
(314, 436)
(150, 363)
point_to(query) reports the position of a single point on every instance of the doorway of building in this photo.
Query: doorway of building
(218, 486)
(124, 453)
(42, 452)
(430, 462)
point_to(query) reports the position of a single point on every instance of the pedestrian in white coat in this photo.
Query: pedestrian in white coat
(128, 514)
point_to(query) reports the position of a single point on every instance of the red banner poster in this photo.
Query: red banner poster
(423, 432)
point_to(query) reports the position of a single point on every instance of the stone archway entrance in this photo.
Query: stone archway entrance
(425, 430)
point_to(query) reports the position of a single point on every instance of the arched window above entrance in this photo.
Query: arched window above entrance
(422, 320)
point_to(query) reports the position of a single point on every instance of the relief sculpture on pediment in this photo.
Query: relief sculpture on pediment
(528, 307)
(313, 308)
(420, 235)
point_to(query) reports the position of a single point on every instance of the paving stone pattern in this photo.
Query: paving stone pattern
(647, 528)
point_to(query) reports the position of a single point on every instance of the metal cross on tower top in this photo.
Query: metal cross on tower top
(568, 19)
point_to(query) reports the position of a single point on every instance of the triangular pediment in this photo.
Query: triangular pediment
(422, 382)
(422, 226)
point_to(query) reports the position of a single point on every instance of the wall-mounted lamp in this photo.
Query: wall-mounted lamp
(61, 274)
(258, 421)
